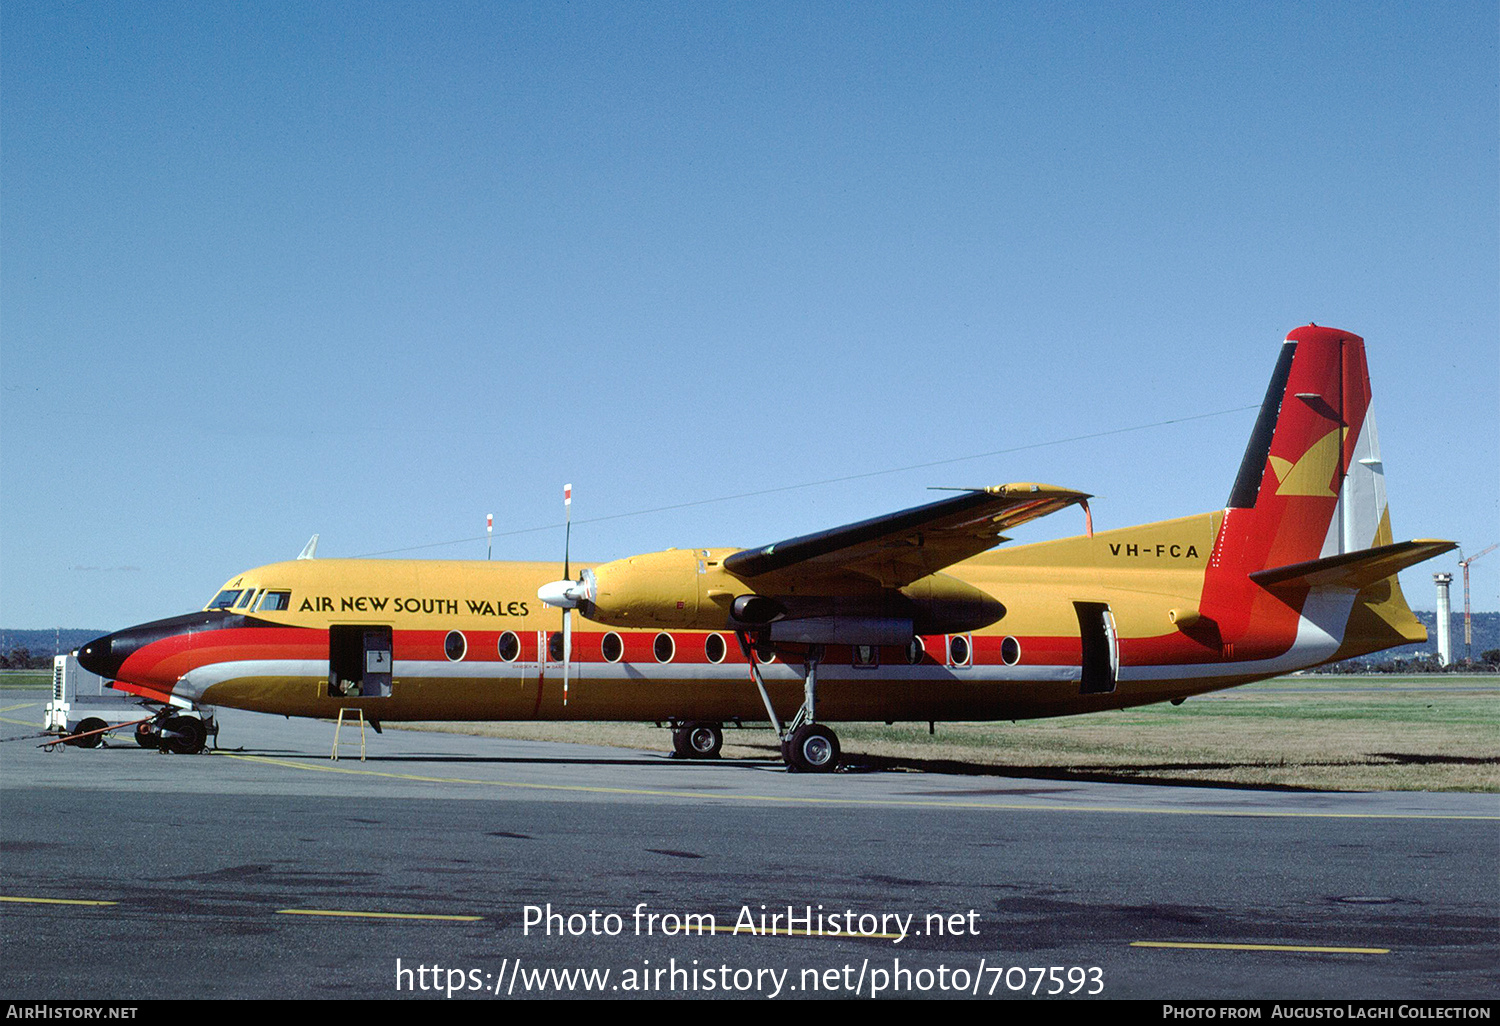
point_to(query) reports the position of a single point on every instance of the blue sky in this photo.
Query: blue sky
(376, 270)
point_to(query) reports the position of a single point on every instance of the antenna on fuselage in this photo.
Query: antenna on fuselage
(309, 549)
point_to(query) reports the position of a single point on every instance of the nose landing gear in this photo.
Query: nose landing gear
(185, 735)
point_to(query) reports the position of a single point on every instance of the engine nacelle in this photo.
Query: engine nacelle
(658, 589)
(946, 605)
(689, 589)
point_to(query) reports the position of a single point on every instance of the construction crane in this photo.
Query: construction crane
(1468, 629)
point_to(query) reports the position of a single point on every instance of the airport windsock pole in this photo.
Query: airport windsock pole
(489, 530)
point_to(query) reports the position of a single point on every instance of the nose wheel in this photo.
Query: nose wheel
(184, 735)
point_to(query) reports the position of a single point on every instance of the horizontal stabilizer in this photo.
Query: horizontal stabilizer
(1354, 570)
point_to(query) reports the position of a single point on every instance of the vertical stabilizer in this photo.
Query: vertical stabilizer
(1307, 534)
(1311, 483)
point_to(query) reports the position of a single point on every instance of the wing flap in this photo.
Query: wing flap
(898, 548)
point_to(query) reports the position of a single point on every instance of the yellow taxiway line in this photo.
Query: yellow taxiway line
(838, 801)
(344, 913)
(336, 913)
(1261, 947)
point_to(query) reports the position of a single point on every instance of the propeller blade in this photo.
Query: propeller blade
(568, 533)
(567, 649)
(572, 593)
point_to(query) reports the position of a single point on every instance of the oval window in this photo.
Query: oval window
(1010, 651)
(958, 650)
(554, 646)
(714, 648)
(455, 645)
(612, 647)
(664, 648)
(509, 646)
(915, 651)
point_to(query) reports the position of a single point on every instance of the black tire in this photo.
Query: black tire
(812, 748)
(705, 740)
(184, 735)
(146, 737)
(697, 740)
(92, 723)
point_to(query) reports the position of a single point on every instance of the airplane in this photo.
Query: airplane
(918, 615)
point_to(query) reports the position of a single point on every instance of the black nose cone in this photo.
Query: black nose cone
(106, 655)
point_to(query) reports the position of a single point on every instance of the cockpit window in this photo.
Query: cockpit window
(244, 602)
(225, 598)
(272, 601)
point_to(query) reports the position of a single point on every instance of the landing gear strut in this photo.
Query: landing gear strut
(807, 746)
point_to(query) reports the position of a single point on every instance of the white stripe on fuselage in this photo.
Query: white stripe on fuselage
(196, 682)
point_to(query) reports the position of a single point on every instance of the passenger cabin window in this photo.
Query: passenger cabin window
(273, 601)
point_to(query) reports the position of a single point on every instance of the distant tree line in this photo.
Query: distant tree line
(22, 659)
(1488, 663)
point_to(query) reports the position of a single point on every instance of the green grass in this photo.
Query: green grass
(1299, 733)
(25, 679)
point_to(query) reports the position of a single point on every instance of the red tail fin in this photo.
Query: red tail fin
(1286, 503)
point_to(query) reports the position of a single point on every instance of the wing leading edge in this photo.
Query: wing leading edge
(899, 548)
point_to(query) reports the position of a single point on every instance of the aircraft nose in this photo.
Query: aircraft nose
(106, 655)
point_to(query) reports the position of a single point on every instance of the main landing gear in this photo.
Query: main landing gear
(697, 740)
(807, 746)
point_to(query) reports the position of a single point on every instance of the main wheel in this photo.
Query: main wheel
(92, 723)
(812, 748)
(697, 741)
(184, 735)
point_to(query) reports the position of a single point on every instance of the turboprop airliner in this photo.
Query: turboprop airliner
(918, 615)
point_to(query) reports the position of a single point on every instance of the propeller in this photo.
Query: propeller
(567, 594)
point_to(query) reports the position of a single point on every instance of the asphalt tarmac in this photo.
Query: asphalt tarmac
(268, 870)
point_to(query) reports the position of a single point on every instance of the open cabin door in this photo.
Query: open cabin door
(359, 661)
(1101, 648)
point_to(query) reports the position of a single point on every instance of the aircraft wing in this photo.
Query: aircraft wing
(898, 548)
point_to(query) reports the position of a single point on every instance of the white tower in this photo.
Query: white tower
(1444, 619)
